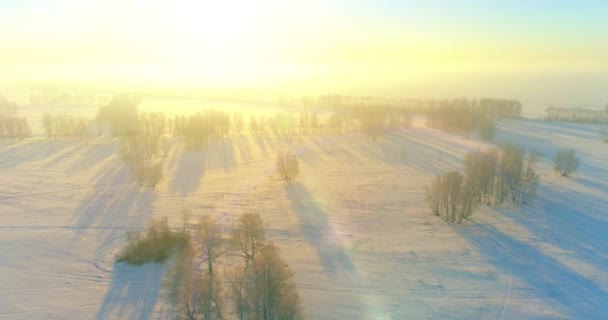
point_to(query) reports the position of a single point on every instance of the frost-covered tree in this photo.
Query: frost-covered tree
(451, 197)
(274, 291)
(248, 235)
(566, 162)
(120, 114)
(287, 165)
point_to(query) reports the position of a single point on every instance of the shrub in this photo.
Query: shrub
(566, 162)
(153, 245)
(149, 174)
(287, 165)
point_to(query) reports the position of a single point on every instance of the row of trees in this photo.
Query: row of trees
(584, 115)
(505, 174)
(15, 127)
(492, 177)
(468, 115)
(12, 126)
(64, 126)
(142, 136)
(260, 284)
(451, 196)
(195, 129)
(142, 150)
(66, 97)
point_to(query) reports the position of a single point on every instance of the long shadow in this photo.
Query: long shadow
(133, 292)
(188, 172)
(94, 155)
(418, 150)
(116, 201)
(15, 153)
(338, 148)
(572, 221)
(64, 155)
(261, 142)
(318, 231)
(578, 130)
(575, 296)
(243, 147)
(541, 137)
(217, 153)
(598, 182)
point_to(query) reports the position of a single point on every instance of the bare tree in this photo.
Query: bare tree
(432, 195)
(213, 246)
(181, 284)
(248, 235)
(241, 291)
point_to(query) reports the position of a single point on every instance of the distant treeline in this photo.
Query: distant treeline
(64, 126)
(12, 126)
(372, 120)
(465, 114)
(66, 97)
(456, 115)
(578, 114)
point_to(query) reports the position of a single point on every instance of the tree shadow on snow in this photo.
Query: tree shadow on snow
(133, 292)
(93, 155)
(575, 295)
(117, 202)
(17, 152)
(570, 220)
(318, 231)
(217, 153)
(188, 172)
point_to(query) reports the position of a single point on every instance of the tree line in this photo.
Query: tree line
(507, 174)
(12, 126)
(64, 126)
(464, 115)
(578, 114)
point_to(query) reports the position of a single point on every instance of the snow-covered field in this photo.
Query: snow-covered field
(353, 225)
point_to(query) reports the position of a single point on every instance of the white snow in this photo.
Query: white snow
(353, 225)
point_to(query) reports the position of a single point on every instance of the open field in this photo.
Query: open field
(354, 225)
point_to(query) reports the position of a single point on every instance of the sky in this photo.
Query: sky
(346, 46)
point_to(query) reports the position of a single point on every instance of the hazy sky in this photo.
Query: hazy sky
(349, 45)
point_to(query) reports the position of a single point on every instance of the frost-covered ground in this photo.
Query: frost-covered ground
(353, 225)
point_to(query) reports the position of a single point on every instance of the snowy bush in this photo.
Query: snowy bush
(154, 245)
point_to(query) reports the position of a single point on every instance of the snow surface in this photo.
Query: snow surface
(354, 226)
